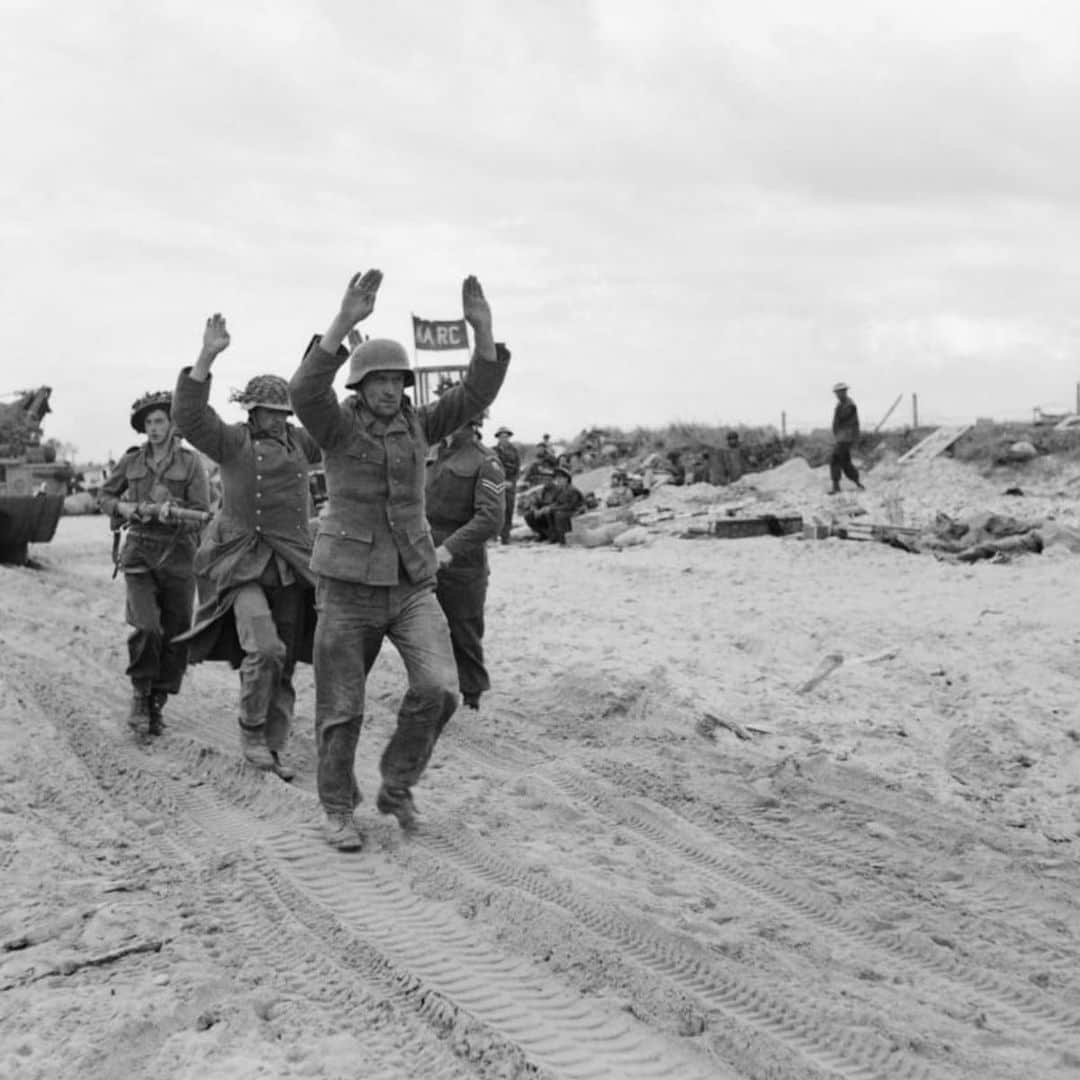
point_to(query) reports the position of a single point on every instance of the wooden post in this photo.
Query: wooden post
(914, 410)
(783, 417)
(1078, 399)
(889, 413)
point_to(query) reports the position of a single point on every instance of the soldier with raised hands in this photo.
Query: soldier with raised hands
(142, 492)
(374, 554)
(255, 555)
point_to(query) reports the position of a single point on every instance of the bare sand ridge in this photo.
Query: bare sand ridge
(881, 881)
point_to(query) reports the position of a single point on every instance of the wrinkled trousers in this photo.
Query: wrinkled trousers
(841, 464)
(510, 495)
(552, 527)
(159, 606)
(461, 594)
(268, 624)
(353, 619)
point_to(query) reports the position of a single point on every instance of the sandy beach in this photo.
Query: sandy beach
(655, 852)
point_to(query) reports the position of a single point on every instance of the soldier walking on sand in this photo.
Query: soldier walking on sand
(261, 615)
(465, 506)
(510, 460)
(158, 554)
(845, 427)
(374, 556)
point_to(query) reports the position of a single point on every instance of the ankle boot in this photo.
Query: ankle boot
(254, 748)
(156, 703)
(399, 802)
(139, 717)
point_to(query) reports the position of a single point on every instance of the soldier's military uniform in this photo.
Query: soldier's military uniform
(157, 560)
(260, 616)
(376, 566)
(845, 427)
(559, 503)
(465, 507)
(510, 460)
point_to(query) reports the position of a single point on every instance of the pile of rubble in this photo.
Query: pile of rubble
(939, 506)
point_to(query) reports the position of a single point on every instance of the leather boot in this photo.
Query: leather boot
(282, 768)
(340, 831)
(399, 802)
(255, 750)
(139, 717)
(156, 703)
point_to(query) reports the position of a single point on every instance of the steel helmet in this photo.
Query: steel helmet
(378, 354)
(141, 407)
(840, 386)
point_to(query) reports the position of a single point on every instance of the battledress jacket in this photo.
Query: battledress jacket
(510, 460)
(179, 478)
(265, 514)
(466, 502)
(373, 523)
(845, 423)
(568, 500)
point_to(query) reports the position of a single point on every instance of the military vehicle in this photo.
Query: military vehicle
(32, 483)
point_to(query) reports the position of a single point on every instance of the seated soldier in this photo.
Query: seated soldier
(620, 493)
(559, 502)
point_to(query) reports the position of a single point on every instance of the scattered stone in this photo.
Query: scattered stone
(264, 1007)
(206, 1020)
(691, 1023)
(879, 831)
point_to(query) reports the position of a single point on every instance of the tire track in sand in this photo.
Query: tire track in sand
(1056, 1022)
(449, 971)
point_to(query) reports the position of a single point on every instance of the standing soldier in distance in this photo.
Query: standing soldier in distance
(256, 552)
(158, 555)
(845, 427)
(510, 460)
(374, 555)
(465, 506)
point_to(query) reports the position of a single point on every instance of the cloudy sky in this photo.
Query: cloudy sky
(679, 211)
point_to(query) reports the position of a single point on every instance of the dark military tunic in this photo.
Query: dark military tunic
(510, 460)
(157, 559)
(263, 529)
(464, 495)
(373, 522)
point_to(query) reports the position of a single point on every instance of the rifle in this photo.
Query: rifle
(145, 512)
(167, 512)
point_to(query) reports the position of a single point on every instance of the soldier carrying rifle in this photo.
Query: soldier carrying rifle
(152, 492)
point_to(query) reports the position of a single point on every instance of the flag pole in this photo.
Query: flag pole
(415, 361)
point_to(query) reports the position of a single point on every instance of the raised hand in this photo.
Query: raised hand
(475, 305)
(355, 338)
(216, 335)
(359, 299)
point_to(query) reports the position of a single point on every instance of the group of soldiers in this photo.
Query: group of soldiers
(398, 551)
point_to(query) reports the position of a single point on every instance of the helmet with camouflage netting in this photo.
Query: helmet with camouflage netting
(264, 392)
(143, 406)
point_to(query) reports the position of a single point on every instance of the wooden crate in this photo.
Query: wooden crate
(766, 525)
